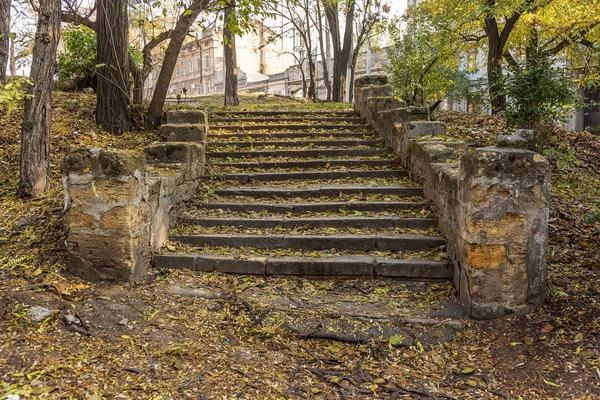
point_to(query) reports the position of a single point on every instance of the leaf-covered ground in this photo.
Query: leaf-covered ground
(181, 334)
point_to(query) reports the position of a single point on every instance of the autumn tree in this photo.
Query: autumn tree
(298, 17)
(342, 43)
(35, 147)
(503, 27)
(423, 62)
(359, 17)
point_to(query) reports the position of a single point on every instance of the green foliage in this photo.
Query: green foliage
(13, 92)
(538, 94)
(77, 63)
(245, 15)
(423, 63)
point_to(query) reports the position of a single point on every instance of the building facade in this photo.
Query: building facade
(200, 66)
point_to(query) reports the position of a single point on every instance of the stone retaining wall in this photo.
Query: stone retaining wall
(119, 204)
(492, 203)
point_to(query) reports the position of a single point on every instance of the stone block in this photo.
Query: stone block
(187, 117)
(520, 139)
(103, 162)
(183, 133)
(376, 105)
(363, 93)
(503, 228)
(108, 257)
(370, 80)
(174, 153)
(402, 133)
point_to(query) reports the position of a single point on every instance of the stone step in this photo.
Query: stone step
(272, 135)
(290, 127)
(310, 175)
(216, 121)
(303, 208)
(320, 191)
(283, 112)
(298, 143)
(331, 267)
(306, 164)
(329, 222)
(378, 242)
(312, 153)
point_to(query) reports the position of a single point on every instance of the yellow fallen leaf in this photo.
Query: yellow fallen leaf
(547, 382)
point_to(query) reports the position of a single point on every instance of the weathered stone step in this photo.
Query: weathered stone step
(255, 119)
(331, 267)
(320, 191)
(307, 164)
(303, 208)
(299, 153)
(330, 222)
(298, 143)
(291, 127)
(261, 135)
(378, 242)
(311, 175)
(283, 112)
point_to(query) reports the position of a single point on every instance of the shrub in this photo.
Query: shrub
(77, 63)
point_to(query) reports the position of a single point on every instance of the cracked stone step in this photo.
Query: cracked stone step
(306, 164)
(302, 208)
(333, 267)
(260, 135)
(291, 127)
(298, 153)
(388, 222)
(320, 191)
(311, 175)
(298, 143)
(216, 121)
(378, 242)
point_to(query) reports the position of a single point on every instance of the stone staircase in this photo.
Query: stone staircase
(305, 193)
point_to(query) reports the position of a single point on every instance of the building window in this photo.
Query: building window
(207, 88)
(199, 62)
(183, 68)
(206, 61)
(191, 66)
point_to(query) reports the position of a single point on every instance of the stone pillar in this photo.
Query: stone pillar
(185, 126)
(107, 214)
(370, 80)
(502, 234)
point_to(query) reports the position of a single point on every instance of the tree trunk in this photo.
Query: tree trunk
(138, 92)
(324, 52)
(341, 53)
(494, 71)
(231, 72)
(304, 86)
(4, 37)
(35, 132)
(185, 20)
(112, 110)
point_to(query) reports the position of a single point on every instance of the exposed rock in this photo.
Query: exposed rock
(39, 313)
(71, 319)
(200, 293)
